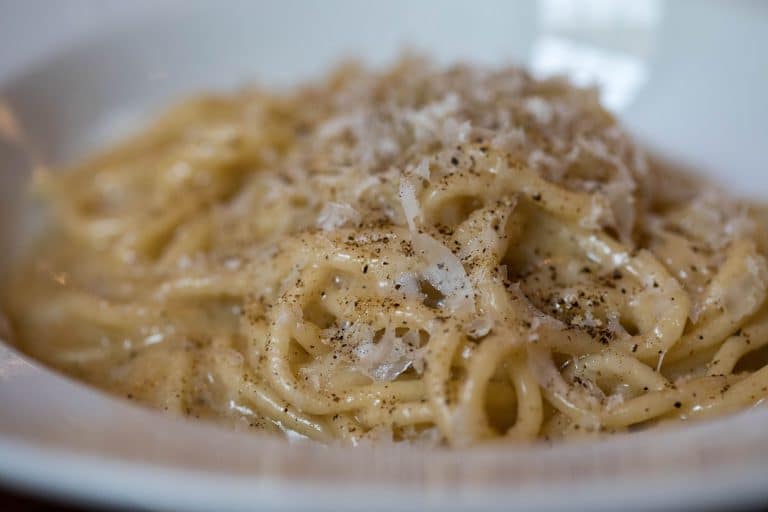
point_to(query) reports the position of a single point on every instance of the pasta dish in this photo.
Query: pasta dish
(447, 256)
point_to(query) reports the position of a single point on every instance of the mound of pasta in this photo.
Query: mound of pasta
(448, 256)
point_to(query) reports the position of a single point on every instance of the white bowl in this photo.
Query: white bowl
(689, 78)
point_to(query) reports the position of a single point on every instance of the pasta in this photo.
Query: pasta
(447, 256)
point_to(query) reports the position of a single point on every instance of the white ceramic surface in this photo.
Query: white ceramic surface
(689, 78)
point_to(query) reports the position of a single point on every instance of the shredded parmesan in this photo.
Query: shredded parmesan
(445, 272)
(383, 360)
(480, 326)
(337, 215)
(422, 169)
(409, 202)
(540, 109)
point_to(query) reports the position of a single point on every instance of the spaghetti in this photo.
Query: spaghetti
(445, 256)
